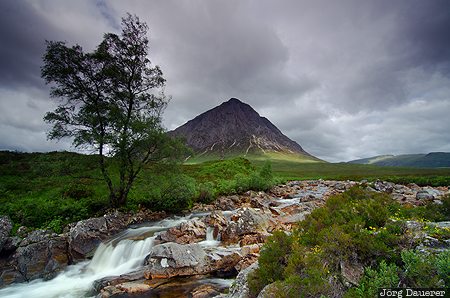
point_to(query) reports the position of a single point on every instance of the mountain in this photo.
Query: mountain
(430, 160)
(235, 128)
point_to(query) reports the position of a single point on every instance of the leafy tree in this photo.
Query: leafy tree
(110, 100)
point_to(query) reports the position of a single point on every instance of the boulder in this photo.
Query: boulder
(239, 289)
(173, 259)
(204, 291)
(223, 262)
(218, 221)
(5, 229)
(41, 255)
(187, 232)
(86, 235)
(227, 203)
(424, 195)
(246, 221)
(383, 186)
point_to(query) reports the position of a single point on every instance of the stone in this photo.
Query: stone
(86, 235)
(5, 229)
(173, 259)
(204, 291)
(424, 195)
(187, 232)
(247, 221)
(225, 203)
(240, 289)
(352, 272)
(218, 221)
(41, 255)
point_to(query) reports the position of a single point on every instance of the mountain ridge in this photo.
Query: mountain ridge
(235, 128)
(425, 160)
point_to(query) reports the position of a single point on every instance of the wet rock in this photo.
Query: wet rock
(86, 235)
(218, 221)
(223, 262)
(187, 232)
(173, 259)
(41, 255)
(239, 289)
(10, 275)
(11, 244)
(5, 229)
(99, 284)
(204, 291)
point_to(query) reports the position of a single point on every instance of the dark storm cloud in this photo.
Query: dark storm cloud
(346, 79)
(22, 44)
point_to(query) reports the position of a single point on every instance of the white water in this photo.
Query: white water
(210, 241)
(123, 254)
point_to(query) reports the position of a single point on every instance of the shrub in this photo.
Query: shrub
(272, 262)
(172, 193)
(206, 192)
(385, 277)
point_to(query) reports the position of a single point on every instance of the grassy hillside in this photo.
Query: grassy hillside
(52, 189)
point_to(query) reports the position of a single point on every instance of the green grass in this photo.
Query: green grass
(41, 189)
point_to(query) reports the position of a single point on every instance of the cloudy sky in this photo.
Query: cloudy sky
(345, 79)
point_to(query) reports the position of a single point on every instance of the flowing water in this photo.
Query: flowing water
(122, 254)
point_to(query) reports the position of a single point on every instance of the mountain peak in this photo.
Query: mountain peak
(232, 128)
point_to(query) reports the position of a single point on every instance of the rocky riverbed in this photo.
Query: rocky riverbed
(189, 256)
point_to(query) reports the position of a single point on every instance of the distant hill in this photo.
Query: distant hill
(234, 128)
(430, 160)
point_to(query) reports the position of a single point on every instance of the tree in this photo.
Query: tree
(110, 100)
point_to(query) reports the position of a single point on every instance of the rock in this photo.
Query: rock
(41, 255)
(22, 232)
(173, 259)
(99, 284)
(223, 262)
(424, 195)
(187, 232)
(253, 239)
(5, 229)
(218, 221)
(10, 275)
(204, 291)
(247, 221)
(269, 291)
(383, 186)
(86, 235)
(11, 244)
(226, 203)
(352, 272)
(239, 289)
(247, 261)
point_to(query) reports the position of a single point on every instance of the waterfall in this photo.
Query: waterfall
(210, 241)
(122, 254)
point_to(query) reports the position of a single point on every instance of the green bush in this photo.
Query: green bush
(206, 192)
(272, 262)
(385, 277)
(172, 193)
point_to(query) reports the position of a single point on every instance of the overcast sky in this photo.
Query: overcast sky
(345, 79)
